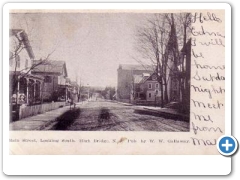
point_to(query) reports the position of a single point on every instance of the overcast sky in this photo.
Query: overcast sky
(92, 45)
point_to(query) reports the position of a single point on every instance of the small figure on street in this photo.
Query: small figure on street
(72, 103)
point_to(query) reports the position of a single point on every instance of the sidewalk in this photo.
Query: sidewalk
(157, 111)
(162, 112)
(123, 103)
(40, 121)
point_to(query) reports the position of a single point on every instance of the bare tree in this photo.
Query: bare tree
(23, 44)
(159, 41)
(19, 42)
(184, 25)
(152, 41)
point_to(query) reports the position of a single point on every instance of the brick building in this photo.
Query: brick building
(126, 74)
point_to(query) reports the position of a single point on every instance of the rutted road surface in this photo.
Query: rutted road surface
(112, 116)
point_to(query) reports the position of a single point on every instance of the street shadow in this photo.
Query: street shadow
(104, 115)
(66, 119)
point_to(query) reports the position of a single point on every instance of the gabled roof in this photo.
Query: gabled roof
(47, 66)
(137, 79)
(187, 46)
(135, 67)
(146, 74)
(144, 79)
(172, 44)
(147, 78)
(23, 37)
(22, 74)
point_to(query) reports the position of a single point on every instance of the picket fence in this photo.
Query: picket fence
(38, 109)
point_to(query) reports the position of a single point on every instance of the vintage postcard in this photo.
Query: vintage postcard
(128, 81)
(117, 81)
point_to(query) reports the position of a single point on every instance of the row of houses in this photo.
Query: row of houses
(34, 82)
(144, 85)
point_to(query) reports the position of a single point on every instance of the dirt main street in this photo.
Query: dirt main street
(111, 116)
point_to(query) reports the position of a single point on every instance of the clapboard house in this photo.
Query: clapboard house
(55, 86)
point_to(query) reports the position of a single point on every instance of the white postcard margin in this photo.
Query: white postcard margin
(115, 164)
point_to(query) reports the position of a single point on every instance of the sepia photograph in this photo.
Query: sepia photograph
(110, 81)
(94, 82)
(99, 71)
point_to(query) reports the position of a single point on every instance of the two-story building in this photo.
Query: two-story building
(55, 86)
(146, 89)
(25, 87)
(126, 73)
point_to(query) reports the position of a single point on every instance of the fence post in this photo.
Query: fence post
(20, 112)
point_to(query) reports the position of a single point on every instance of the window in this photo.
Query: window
(149, 95)
(156, 85)
(156, 92)
(149, 86)
(48, 79)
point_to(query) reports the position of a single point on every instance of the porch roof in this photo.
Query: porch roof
(30, 76)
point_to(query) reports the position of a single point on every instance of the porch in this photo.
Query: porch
(25, 89)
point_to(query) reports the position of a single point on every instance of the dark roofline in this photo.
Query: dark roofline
(27, 44)
(186, 46)
(65, 68)
(45, 73)
(147, 78)
(24, 38)
(14, 32)
(136, 67)
(49, 63)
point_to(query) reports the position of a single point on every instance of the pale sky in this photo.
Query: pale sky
(92, 45)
